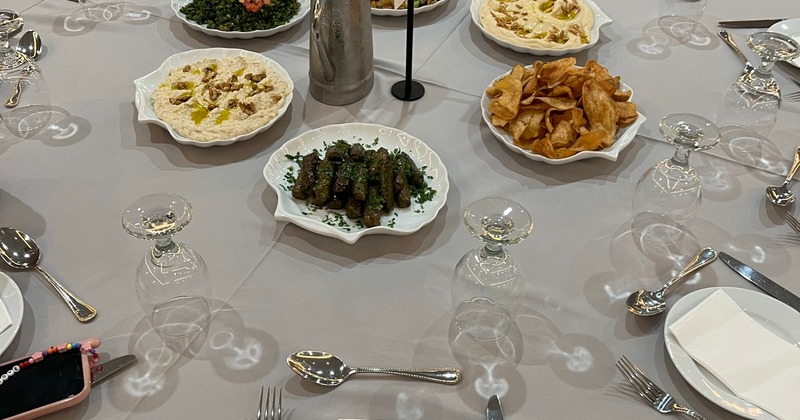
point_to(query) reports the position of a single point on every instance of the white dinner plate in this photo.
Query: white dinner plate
(12, 299)
(403, 221)
(625, 136)
(790, 28)
(404, 12)
(305, 6)
(146, 85)
(770, 313)
(600, 20)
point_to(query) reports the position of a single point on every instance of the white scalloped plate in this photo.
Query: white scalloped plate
(12, 300)
(625, 136)
(404, 12)
(147, 84)
(406, 221)
(305, 7)
(600, 20)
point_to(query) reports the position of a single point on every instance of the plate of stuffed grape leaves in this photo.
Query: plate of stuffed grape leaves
(349, 180)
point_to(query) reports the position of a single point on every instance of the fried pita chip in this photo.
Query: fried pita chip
(506, 104)
(600, 111)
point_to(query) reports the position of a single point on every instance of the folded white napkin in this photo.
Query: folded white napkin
(5, 318)
(754, 363)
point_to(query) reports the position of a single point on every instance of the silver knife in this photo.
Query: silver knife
(493, 410)
(104, 370)
(756, 23)
(773, 289)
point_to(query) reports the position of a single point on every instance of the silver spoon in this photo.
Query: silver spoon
(328, 370)
(780, 195)
(30, 44)
(729, 40)
(19, 251)
(647, 303)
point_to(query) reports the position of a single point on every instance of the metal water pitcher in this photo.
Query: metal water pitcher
(340, 58)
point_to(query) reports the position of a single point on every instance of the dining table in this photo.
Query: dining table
(384, 300)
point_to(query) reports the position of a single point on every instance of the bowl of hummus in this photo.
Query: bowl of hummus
(214, 96)
(540, 27)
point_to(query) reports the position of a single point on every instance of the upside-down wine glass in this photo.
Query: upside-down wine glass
(487, 284)
(24, 99)
(10, 21)
(171, 281)
(755, 98)
(668, 194)
(680, 18)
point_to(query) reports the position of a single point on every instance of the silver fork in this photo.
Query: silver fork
(793, 222)
(660, 400)
(274, 404)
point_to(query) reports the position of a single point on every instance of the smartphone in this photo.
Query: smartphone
(58, 381)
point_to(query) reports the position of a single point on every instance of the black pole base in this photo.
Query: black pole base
(408, 90)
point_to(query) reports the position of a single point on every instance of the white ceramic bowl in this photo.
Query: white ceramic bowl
(147, 84)
(405, 221)
(625, 136)
(600, 19)
(305, 6)
(404, 12)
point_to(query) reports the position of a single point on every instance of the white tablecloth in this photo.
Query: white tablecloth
(384, 301)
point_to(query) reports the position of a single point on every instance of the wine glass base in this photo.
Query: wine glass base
(655, 230)
(181, 316)
(103, 11)
(13, 61)
(24, 120)
(482, 319)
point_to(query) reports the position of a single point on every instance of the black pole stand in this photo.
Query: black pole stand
(408, 90)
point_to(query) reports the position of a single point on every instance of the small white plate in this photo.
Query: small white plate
(790, 28)
(406, 221)
(146, 85)
(600, 19)
(12, 299)
(404, 12)
(625, 136)
(305, 6)
(772, 314)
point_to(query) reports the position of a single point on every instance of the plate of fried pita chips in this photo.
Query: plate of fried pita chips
(558, 112)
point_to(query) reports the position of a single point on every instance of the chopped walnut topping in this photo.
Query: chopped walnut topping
(248, 108)
(257, 77)
(208, 74)
(180, 85)
(214, 94)
(187, 68)
(233, 103)
(569, 6)
(183, 97)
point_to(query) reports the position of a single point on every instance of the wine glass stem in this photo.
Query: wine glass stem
(491, 250)
(765, 68)
(163, 246)
(681, 157)
(4, 46)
